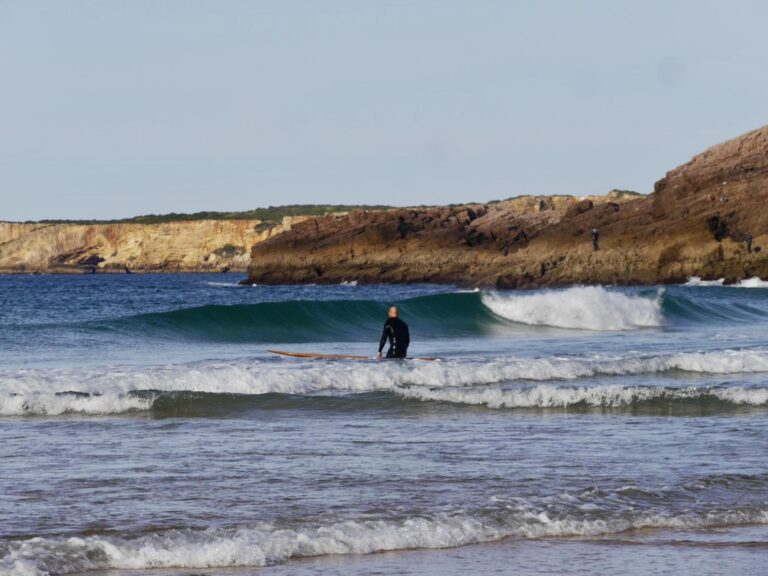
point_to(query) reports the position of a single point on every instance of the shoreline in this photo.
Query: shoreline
(458, 283)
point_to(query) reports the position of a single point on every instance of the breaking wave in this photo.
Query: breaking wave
(697, 281)
(584, 307)
(264, 544)
(436, 316)
(56, 404)
(754, 282)
(603, 396)
(218, 387)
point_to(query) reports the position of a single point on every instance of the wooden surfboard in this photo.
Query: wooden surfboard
(326, 356)
(332, 356)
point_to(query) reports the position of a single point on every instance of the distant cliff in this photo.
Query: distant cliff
(178, 246)
(694, 224)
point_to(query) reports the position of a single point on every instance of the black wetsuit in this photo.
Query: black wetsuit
(397, 332)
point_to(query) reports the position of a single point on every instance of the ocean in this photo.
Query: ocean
(145, 429)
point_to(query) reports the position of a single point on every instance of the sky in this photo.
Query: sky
(112, 109)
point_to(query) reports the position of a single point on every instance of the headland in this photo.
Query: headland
(696, 222)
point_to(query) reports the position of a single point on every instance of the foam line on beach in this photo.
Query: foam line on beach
(265, 544)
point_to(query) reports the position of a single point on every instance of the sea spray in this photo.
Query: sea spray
(753, 282)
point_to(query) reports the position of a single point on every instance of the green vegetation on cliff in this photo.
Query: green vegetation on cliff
(269, 216)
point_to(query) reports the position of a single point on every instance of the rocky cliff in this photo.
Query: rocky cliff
(192, 246)
(694, 224)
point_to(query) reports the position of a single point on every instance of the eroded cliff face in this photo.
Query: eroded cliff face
(727, 181)
(694, 224)
(193, 246)
(515, 242)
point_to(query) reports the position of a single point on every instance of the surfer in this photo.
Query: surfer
(397, 332)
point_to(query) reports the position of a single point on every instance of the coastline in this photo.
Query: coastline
(705, 218)
(206, 245)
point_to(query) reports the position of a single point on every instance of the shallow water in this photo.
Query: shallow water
(145, 427)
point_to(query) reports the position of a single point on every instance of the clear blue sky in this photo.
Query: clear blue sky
(117, 108)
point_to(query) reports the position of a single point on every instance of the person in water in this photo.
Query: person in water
(396, 331)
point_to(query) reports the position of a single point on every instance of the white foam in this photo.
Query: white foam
(753, 282)
(29, 392)
(47, 404)
(609, 396)
(266, 544)
(582, 307)
(224, 284)
(697, 281)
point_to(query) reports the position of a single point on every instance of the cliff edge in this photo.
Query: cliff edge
(695, 223)
(191, 246)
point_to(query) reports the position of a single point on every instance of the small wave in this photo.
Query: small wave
(224, 285)
(187, 404)
(265, 544)
(697, 281)
(57, 404)
(120, 390)
(753, 282)
(583, 307)
(603, 396)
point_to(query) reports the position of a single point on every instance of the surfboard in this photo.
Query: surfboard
(332, 356)
(326, 356)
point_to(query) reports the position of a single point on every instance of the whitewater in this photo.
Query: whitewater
(146, 429)
(113, 390)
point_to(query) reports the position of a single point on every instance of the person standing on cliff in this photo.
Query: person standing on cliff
(396, 331)
(748, 242)
(595, 238)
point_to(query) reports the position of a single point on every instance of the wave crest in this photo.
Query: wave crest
(605, 396)
(435, 316)
(754, 282)
(116, 391)
(265, 544)
(57, 404)
(582, 307)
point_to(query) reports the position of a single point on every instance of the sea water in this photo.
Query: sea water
(146, 429)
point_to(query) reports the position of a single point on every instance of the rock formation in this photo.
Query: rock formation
(694, 224)
(192, 246)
